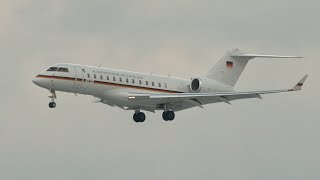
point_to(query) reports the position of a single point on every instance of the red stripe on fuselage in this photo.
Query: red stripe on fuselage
(110, 84)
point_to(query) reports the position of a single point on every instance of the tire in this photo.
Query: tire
(142, 117)
(170, 115)
(52, 104)
(165, 116)
(139, 117)
(136, 117)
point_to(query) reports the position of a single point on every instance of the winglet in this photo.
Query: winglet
(299, 85)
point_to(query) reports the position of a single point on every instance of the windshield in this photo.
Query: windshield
(53, 69)
(63, 69)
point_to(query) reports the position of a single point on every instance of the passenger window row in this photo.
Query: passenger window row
(62, 69)
(127, 80)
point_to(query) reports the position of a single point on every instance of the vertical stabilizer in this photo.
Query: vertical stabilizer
(229, 68)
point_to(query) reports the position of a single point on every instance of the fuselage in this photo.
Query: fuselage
(149, 92)
(112, 86)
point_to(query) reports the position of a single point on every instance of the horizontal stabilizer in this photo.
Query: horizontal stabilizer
(263, 56)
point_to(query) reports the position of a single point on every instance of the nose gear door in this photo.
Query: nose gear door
(51, 82)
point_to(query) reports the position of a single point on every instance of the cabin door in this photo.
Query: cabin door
(79, 78)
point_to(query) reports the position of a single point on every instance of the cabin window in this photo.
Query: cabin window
(127, 80)
(132, 81)
(95, 76)
(63, 70)
(147, 83)
(140, 82)
(101, 77)
(159, 84)
(108, 78)
(88, 75)
(120, 79)
(152, 83)
(165, 85)
(53, 69)
(83, 70)
(114, 78)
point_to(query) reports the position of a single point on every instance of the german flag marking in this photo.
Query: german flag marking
(229, 64)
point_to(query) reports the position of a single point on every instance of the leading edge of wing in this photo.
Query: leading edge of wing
(185, 96)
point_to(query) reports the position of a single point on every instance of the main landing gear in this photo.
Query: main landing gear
(53, 96)
(139, 116)
(168, 115)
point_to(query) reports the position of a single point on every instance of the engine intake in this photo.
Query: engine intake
(195, 85)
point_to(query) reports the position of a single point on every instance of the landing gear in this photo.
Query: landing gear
(168, 115)
(52, 105)
(139, 117)
(53, 96)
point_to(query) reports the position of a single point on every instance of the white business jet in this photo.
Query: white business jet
(146, 92)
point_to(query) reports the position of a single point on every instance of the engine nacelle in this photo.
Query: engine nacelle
(195, 85)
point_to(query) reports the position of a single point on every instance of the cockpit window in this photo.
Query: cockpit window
(63, 69)
(53, 69)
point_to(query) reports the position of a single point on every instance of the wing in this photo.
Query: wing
(182, 101)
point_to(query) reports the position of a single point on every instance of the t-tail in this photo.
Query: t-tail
(229, 68)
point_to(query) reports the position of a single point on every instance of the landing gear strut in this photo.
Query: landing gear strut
(53, 96)
(168, 115)
(139, 116)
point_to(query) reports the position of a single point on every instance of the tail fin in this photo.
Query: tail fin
(231, 65)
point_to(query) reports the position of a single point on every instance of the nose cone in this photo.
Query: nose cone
(36, 81)
(40, 82)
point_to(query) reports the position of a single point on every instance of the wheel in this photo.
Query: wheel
(165, 116)
(136, 117)
(52, 104)
(139, 117)
(168, 115)
(142, 116)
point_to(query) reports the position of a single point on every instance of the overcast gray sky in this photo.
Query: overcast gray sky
(274, 138)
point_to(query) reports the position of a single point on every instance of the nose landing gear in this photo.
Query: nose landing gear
(53, 96)
(52, 105)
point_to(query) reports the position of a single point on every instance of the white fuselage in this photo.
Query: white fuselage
(112, 86)
(148, 92)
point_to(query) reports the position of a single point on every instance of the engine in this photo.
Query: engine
(195, 85)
